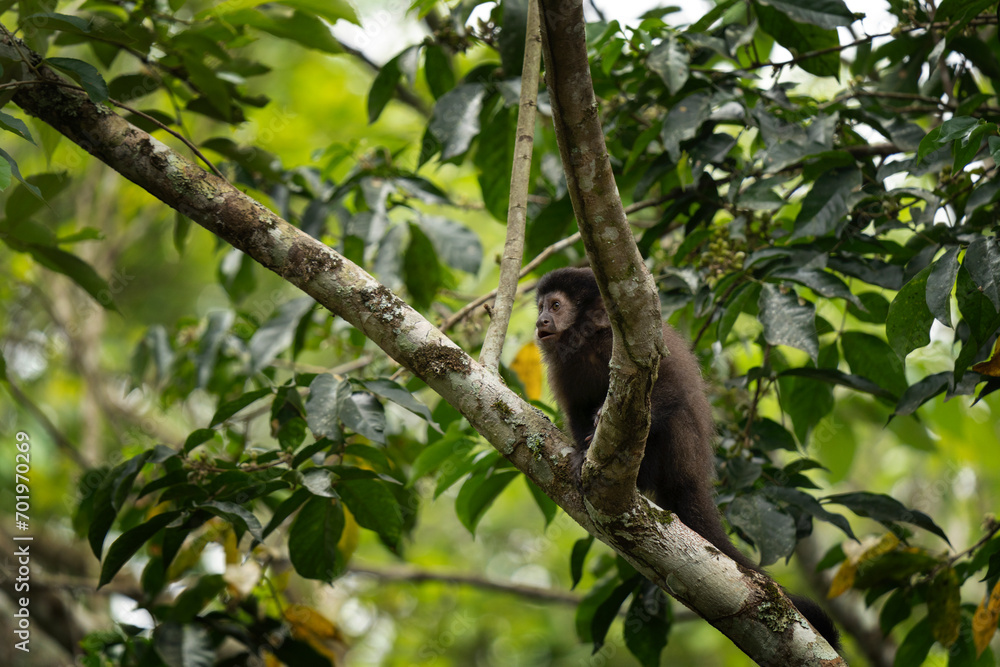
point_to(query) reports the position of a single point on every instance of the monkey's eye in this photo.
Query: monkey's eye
(555, 305)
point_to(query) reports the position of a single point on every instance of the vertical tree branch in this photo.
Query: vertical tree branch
(517, 211)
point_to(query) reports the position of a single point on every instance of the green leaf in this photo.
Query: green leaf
(15, 126)
(713, 15)
(607, 611)
(456, 245)
(25, 233)
(834, 376)
(110, 496)
(158, 343)
(871, 357)
(230, 408)
(437, 71)
(301, 27)
(130, 87)
(454, 444)
(916, 645)
(363, 414)
(822, 282)
(977, 310)
(824, 210)
(85, 74)
(884, 509)
(897, 608)
(7, 167)
(393, 391)
(495, 160)
(909, 320)
(193, 599)
(313, 539)
(941, 280)
(683, 122)
(331, 10)
(383, 87)
(806, 401)
(57, 21)
(771, 530)
(252, 158)
(219, 323)
(786, 322)
(510, 42)
(198, 437)
(921, 392)
(587, 608)
(131, 541)
(545, 504)
(323, 405)
(647, 624)
(422, 271)
(237, 515)
(876, 308)
(769, 435)
(744, 297)
(944, 607)
(578, 557)
(802, 38)
(957, 129)
(285, 509)
(374, 507)
(671, 62)
(33, 195)
(276, 335)
(478, 494)
(823, 13)
(982, 260)
(809, 505)
(455, 122)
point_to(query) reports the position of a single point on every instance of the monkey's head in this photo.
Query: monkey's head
(567, 298)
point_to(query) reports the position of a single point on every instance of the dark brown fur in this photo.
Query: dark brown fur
(677, 470)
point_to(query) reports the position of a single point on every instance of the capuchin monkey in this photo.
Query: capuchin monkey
(678, 468)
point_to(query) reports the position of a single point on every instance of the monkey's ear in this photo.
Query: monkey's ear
(599, 317)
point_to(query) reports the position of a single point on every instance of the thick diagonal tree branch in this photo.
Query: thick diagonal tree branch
(746, 607)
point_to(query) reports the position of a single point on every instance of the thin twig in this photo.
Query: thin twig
(520, 180)
(57, 436)
(179, 136)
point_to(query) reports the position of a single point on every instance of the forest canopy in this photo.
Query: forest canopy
(226, 444)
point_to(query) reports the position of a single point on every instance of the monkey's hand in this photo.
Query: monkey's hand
(597, 418)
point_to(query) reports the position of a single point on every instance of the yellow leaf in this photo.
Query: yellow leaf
(991, 366)
(349, 537)
(528, 366)
(312, 627)
(229, 544)
(887, 543)
(984, 622)
(843, 580)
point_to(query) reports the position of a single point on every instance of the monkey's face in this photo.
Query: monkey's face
(556, 314)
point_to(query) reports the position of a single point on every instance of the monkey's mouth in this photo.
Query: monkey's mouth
(542, 335)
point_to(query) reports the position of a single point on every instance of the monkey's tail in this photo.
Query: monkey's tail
(818, 618)
(708, 524)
